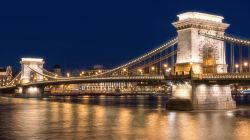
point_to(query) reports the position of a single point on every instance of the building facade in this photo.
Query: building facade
(5, 75)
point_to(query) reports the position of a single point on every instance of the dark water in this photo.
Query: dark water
(131, 117)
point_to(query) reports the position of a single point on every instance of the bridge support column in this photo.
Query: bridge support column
(197, 96)
(212, 96)
(181, 97)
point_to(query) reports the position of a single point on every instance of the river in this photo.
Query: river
(123, 117)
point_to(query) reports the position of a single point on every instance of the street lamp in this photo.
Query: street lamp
(68, 74)
(165, 65)
(124, 71)
(152, 70)
(82, 73)
(245, 64)
(140, 70)
(237, 67)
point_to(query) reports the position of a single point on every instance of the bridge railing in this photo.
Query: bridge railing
(224, 76)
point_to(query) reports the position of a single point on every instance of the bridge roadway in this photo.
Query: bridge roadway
(79, 80)
(227, 78)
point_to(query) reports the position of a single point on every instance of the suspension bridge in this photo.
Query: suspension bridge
(199, 65)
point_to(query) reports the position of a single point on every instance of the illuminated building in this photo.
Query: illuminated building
(5, 75)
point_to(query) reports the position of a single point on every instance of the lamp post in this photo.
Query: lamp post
(152, 69)
(168, 71)
(82, 73)
(140, 70)
(245, 64)
(163, 67)
(68, 74)
(236, 68)
(125, 71)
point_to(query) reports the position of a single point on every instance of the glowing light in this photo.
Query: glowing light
(33, 90)
(165, 65)
(245, 64)
(230, 114)
(68, 74)
(201, 16)
(140, 70)
(124, 69)
(236, 66)
(32, 60)
(153, 68)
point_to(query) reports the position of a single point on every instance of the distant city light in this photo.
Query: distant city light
(245, 64)
(68, 74)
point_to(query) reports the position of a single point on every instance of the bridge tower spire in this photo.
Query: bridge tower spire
(205, 55)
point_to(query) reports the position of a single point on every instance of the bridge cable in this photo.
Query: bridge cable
(143, 57)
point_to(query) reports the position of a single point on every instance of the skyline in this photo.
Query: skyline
(109, 33)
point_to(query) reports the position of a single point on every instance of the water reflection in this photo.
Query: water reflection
(107, 118)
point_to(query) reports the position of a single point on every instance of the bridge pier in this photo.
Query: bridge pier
(31, 92)
(212, 96)
(201, 96)
(181, 97)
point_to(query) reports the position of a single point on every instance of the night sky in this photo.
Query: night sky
(79, 34)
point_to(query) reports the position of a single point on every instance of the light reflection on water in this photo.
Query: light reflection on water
(112, 118)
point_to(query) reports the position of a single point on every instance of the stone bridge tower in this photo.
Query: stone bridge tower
(29, 65)
(203, 54)
(199, 54)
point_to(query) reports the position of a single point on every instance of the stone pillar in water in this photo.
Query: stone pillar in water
(212, 96)
(199, 96)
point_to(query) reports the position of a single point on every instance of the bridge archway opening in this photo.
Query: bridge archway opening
(209, 59)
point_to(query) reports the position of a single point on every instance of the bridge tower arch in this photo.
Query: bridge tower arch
(29, 67)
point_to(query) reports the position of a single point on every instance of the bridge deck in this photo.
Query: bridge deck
(225, 76)
(143, 78)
